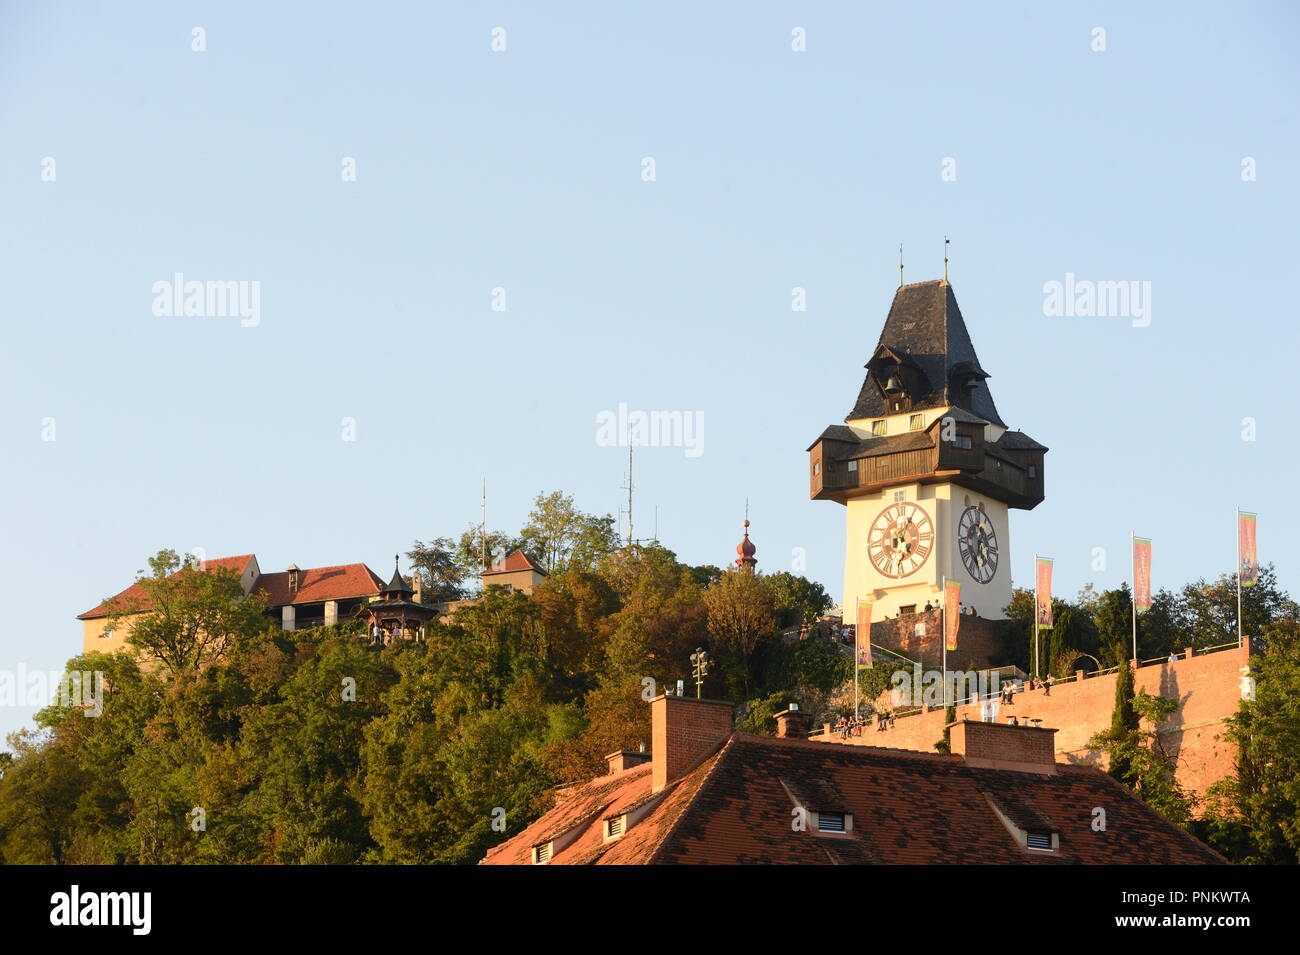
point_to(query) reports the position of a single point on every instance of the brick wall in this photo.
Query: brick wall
(979, 639)
(1207, 688)
(684, 731)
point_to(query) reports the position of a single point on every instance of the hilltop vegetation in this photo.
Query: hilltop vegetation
(224, 739)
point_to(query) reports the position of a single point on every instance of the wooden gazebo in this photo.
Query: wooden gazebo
(395, 614)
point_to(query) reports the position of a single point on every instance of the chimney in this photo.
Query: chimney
(622, 759)
(793, 722)
(417, 585)
(684, 732)
(293, 578)
(1025, 749)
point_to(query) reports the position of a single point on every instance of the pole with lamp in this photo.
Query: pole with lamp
(700, 664)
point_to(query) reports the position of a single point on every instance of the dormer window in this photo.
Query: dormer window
(542, 853)
(834, 822)
(879, 428)
(615, 826)
(1033, 831)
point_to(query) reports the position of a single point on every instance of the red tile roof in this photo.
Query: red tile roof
(137, 599)
(908, 808)
(317, 584)
(514, 561)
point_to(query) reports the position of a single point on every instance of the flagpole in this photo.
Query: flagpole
(1238, 559)
(944, 635)
(857, 649)
(1033, 618)
(1132, 546)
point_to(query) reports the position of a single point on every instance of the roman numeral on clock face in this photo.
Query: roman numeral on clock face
(900, 539)
(977, 544)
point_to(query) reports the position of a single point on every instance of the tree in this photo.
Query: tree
(741, 609)
(572, 606)
(38, 798)
(1138, 758)
(1124, 723)
(560, 535)
(1207, 612)
(1072, 635)
(187, 616)
(1112, 614)
(442, 574)
(799, 600)
(478, 549)
(1253, 816)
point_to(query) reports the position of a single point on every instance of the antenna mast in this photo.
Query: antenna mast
(630, 446)
(482, 524)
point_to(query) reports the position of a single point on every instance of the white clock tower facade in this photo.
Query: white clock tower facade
(926, 468)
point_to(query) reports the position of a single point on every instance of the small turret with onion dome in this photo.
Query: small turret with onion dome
(746, 560)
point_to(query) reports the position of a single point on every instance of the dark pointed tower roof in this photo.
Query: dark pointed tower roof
(746, 550)
(926, 348)
(397, 588)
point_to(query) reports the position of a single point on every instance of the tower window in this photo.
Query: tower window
(1033, 471)
(878, 428)
(962, 442)
(900, 495)
(853, 465)
(817, 468)
(915, 422)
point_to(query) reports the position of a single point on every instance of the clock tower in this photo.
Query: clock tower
(926, 468)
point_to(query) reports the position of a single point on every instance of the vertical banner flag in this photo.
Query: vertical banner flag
(864, 634)
(1043, 588)
(952, 613)
(1247, 561)
(1141, 573)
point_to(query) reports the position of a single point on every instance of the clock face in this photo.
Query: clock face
(978, 544)
(900, 539)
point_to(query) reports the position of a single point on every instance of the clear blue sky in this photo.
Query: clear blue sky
(522, 170)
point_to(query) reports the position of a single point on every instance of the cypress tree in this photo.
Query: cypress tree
(1124, 720)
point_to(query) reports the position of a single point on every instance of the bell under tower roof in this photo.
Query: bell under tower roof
(925, 354)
